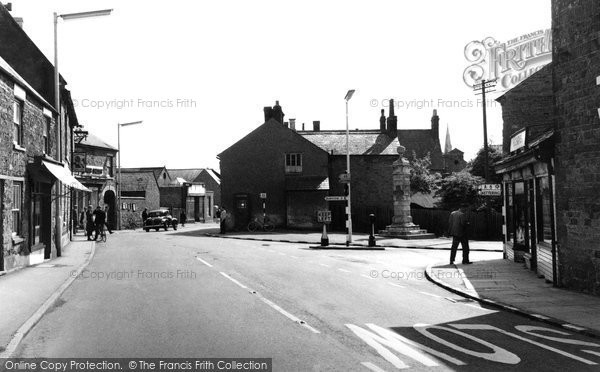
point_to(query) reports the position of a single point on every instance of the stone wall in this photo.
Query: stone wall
(138, 181)
(576, 56)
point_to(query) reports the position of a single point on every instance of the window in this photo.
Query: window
(16, 207)
(133, 194)
(17, 122)
(46, 136)
(293, 163)
(109, 166)
(544, 222)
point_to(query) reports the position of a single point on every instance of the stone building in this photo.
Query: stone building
(296, 169)
(140, 188)
(35, 179)
(552, 146)
(94, 166)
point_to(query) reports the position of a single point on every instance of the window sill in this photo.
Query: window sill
(17, 240)
(18, 147)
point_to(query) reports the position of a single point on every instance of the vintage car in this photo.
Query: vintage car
(160, 218)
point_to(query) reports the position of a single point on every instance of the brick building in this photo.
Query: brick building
(35, 179)
(94, 167)
(552, 141)
(297, 169)
(201, 206)
(140, 188)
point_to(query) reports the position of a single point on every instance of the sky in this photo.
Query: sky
(198, 73)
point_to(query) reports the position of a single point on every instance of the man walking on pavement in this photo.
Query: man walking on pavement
(99, 221)
(89, 222)
(458, 226)
(223, 217)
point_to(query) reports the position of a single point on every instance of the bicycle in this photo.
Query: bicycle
(102, 234)
(264, 225)
(131, 225)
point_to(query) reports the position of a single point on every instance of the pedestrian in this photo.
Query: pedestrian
(106, 208)
(218, 212)
(74, 220)
(99, 221)
(223, 217)
(82, 219)
(144, 216)
(182, 217)
(458, 226)
(89, 222)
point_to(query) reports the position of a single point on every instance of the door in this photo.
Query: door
(241, 210)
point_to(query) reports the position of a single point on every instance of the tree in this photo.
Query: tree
(457, 188)
(421, 178)
(476, 166)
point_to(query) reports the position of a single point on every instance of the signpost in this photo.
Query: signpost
(344, 178)
(324, 217)
(489, 189)
(336, 198)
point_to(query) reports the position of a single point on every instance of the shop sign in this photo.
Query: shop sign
(489, 189)
(517, 141)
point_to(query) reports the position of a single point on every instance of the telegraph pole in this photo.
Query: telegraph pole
(485, 86)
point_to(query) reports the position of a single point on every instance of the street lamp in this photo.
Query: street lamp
(66, 17)
(348, 202)
(119, 125)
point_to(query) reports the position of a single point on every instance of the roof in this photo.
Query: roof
(360, 142)
(191, 174)
(94, 141)
(155, 171)
(4, 66)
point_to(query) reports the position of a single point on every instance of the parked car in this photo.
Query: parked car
(160, 218)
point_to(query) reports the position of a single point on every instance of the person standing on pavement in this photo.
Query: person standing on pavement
(89, 222)
(106, 216)
(144, 215)
(223, 217)
(99, 221)
(182, 217)
(458, 226)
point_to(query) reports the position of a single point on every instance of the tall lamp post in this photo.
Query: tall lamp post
(119, 125)
(59, 155)
(349, 178)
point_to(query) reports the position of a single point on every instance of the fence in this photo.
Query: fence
(484, 225)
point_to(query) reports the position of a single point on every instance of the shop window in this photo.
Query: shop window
(520, 218)
(544, 220)
(510, 230)
(18, 122)
(17, 207)
(293, 163)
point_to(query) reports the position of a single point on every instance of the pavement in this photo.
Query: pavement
(28, 293)
(511, 286)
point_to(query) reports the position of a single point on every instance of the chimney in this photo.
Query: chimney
(382, 121)
(278, 113)
(302, 126)
(268, 113)
(392, 121)
(316, 125)
(286, 124)
(293, 124)
(435, 125)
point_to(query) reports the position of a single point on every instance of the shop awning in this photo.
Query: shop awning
(63, 174)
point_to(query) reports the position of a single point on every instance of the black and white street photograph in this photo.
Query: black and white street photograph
(299, 186)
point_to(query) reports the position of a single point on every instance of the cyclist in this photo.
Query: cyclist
(99, 221)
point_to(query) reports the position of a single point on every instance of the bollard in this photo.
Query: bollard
(372, 235)
(324, 237)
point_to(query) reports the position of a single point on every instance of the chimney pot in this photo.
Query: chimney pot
(293, 124)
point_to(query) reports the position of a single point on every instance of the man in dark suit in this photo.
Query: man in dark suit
(99, 221)
(458, 226)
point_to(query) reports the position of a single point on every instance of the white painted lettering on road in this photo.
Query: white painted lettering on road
(486, 327)
(204, 262)
(384, 339)
(372, 367)
(533, 331)
(499, 354)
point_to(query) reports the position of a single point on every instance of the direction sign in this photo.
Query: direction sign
(263, 195)
(324, 216)
(489, 189)
(344, 178)
(335, 198)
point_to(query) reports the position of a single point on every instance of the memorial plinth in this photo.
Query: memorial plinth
(402, 226)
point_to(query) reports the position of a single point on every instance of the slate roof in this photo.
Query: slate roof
(4, 66)
(361, 142)
(155, 171)
(191, 174)
(95, 141)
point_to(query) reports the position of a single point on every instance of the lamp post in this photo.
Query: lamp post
(119, 125)
(349, 178)
(59, 154)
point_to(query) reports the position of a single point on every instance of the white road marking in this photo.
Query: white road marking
(372, 367)
(204, 262)
(591, 352)
(486, 327)
(344, 270)
(531, 330)
(499, 354)
(395, 285)
(272, 304)
(233, 280)
(571, 326)
(430, 294)
(479, 308)
(366, 276)
(540, 316)
(324, 265)
(451, 299)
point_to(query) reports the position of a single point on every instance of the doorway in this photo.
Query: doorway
(241, 210)
(111, 200)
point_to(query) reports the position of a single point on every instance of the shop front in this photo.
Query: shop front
(529, 203)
